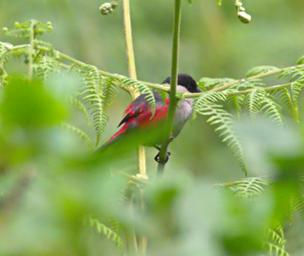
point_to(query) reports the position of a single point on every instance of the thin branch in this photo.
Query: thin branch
(120, 78)
(270, 88)
(31, 49)
(251, 78)
(174, 74)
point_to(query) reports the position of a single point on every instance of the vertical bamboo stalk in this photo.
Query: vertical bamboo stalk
(142, 241)
(132, 73)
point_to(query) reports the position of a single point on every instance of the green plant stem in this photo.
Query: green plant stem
(294, 107)
(295, 113)
(255, 77)
(270, 88)
(236, 82)
(31, 49)
(18, 49)
(173, 85)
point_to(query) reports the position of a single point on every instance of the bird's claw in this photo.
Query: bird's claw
(157, 158)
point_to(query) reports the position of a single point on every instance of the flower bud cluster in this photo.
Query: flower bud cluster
(108, 8)
(241, 12)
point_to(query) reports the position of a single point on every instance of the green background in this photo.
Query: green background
(214, 43)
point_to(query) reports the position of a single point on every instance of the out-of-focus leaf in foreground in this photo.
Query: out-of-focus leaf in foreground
(30, 105)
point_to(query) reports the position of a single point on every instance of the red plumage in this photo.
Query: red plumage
(139, 114)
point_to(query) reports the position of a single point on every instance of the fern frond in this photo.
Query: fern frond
(44, 66)
(78, 104)
(248, 187)
(249, 84)
(22, 29)
(3, 59)
(206, 105)
(107, 232)
(142, 89)
(260, 101)
(283, 95)
(149, 96)
(276, 236)
(275, 250)
(260, 70)
(3, 50)
(109, 90)
(296, 88)
(237, 102)
(299, 206)
(92, 95)
(208, 83)
(80, 133)
(254, 101)
(271, 110)
(292, 94)
(293, 73)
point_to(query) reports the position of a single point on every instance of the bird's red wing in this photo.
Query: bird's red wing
(139, 114)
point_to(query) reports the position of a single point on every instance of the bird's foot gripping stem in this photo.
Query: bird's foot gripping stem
(157, 158)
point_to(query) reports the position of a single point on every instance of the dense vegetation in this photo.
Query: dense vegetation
(61, 196)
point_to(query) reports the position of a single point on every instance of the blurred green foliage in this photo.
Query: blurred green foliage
(214, 44)
(56, 199)
(30, 106)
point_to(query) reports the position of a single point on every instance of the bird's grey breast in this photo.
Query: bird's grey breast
(182, 114)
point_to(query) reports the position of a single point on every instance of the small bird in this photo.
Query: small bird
(139, 113)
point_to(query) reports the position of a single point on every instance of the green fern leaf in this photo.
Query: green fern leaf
(270, 108)
(3, 49)
(261, 69)
(293, 73)
(3, 59)
(206, 105)
(248, 187)
(80, 133)
(22, 29)
(276, 250)
(207, 83)
(109, 90)
(142, 89)
(149, 96)
(283, 95)
(107, 232)
(92, 95)
(299, 206)
(260, 101)
(296, 88)
(44, 66)
(78, 104)
(254, 99)
(300, 60)
(276, 236)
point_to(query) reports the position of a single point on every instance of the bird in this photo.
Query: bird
(139, 113)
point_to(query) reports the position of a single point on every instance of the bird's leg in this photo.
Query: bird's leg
(157, 147)
(171, 138)
(156, 158)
